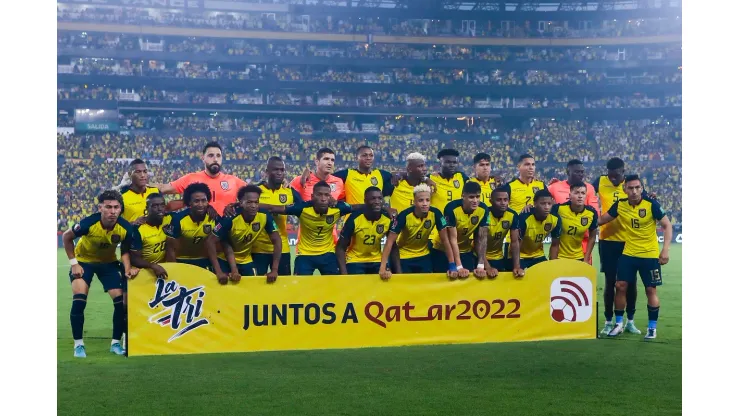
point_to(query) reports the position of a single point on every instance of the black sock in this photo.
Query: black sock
(653, 312)
(118, 315)
(77, 315)
(610, 280)
(631, 300)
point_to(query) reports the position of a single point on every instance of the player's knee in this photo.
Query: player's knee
(621, 286)
(79, 302)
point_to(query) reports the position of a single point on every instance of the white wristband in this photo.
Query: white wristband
(72, 262)
(459, 268)
(481, 266)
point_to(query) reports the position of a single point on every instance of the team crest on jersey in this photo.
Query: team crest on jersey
(505, 225)
(474, 219)
(333, 187)
(492, 185)
(256, 227)
(535, 189)
(548, 227)
(329, 219)
(584, 221)
(283, 198)
(115, 239)
(456, 183)
(428, 224)
(642, 212)
(374, 181)
(225, 185)
(169, 228)
(207, 229)
(380, 228)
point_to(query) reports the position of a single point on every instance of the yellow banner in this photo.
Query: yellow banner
(191, 312)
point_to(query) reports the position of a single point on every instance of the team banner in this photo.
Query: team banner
(192, 313)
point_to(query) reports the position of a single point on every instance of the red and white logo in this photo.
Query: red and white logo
(571, 299)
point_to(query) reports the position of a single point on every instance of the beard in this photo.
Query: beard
(214, 168)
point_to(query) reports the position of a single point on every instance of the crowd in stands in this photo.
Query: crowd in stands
(284, 22)
(97, 66)
(252, 47)
(91, 163)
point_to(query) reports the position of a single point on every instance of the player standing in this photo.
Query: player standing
(502, 222)
(223, 187)
(449, 181)
(411, 230)
(534, 227)
(358, 249)
(522, 189)
(577, 219)
(95, 255)
(274, 193)
(324, 168)
(403, 193)
(189, 228)
(467, 218)
(612, 237)
(148, 244)
(135, 194)
(238, 235)
(482, 169)
(356, 181)
(642, 252)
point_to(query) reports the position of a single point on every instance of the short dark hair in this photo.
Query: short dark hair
(110, 195)
(247, 189)
(372, 189)
(481, 156)
(615, 163)
(363, 147)
(323, 151)
(447, 152)
(542, 193)
(136, 162)
(154, 195)
(578, 184)
(212, 144)
(574, 162)
(471, 187)
(501, 189)
(321, 184)
(275, 159)
(187, 195)
(630, 178)
(525, 156)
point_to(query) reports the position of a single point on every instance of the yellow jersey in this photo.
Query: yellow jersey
(522, 194)
(641, 238)
(498, 231)
(134, 205)
(151, 240)
(283, 196)
(448, 190)
(316, 231)
(190, 234)
(355, 183)
(486, 188)
(242, 235)
(573, 229)
(98, 245)
(466, 225)
(609, 194)
(364, 237)
(532, 234)
(402, 196)
(413, 232)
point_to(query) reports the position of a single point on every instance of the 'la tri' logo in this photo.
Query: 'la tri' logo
(182, 307)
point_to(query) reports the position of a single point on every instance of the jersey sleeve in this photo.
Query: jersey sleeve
(136, 243)
(522, 225)
(387, 182)
(344, 208)
(296, 208)
(126, 242)
(515, 220)
(223, 228)
(83, 227)
(181, 183)
(439, 219)
(595, 220)
(296, 196)
(555, 209)
(349, 228)
(555, 233)
(595, 183)
(173, 229)
(270, 226)
(465, 177)
(484, 220)
(342, 174)
(450, 214)
(656, 209)
(614, 211)
(399, 223)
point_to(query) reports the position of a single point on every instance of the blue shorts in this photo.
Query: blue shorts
(502, 265)
(422, 264)
(202, 263)
(109, 274)
(363, 268)
(649, 270)
(526, 263)
(325, 263)
(609, 254)
(263, 262)
(243, 269)
(469, 261)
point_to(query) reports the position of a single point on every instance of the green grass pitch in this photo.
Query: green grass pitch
(592, 377)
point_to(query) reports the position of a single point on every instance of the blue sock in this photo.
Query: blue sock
(653, 312)
(620, 315)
